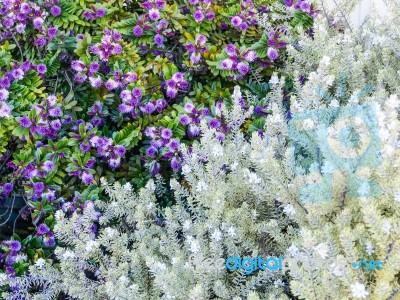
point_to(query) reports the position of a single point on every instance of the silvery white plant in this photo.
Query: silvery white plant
(227, 205)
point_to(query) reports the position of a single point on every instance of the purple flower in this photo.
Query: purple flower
(55, 11)
(131, 77)
(20, 28)
(201, 40)
(5, 110)
(243, 68)
(87, 178)
(88, 15)
(119, 150)
(95, 82)
(25, 8)
(15, 246)
(123, 108)
(195, 58)
(41, 42)
(272, 53)
(198, 15)
(4, 83)
(117, 49)
(193, 131)
(137, 92)
(175, 164)
(17, 74)
(52, 32)
(305, 7)
(183, 85)
(78, 65)
(159, 40)
(185, 120)
(177, 77)
(41, 68)
(90, 163)
(154, 14)
(214, 123)
(137, 31)
(243, 26)
(37, 23)
(150, 132)
(231, 50)
(111, 84)
(288, 2)
(166, 133)
(171, 83)
(210, 15)
(161, 104)
(189, 107)
(85, 147)
(160, 4)
(193, 2)
(151, 152)
(38, 187)
(236, 21)
(101, 12)
(80, 78)
(55, 112)
(49, 240)
(42, 229)
(250, 56)
(173, 145)
(227, 64)
(94, 67)
(7, 188)
(220, 136)
(171, 93)
(4, 94)
(55, 124)
(126, 95)
(149, 108)
(48, 166)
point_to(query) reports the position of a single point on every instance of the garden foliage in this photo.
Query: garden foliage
(245, 108)
(112, 88)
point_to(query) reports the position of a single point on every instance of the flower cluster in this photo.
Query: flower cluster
(98, 113)
(163, 146)
(202, 10)
(303, 5)
(131, 103)
(45, 119)
(193, 118)
(17, 73)
(247, 16)
(43, 231)
(6, 189)
(11, 255)
(238, 60)
(108, 46)
(94, 13)
(175, 84)
(197, 48)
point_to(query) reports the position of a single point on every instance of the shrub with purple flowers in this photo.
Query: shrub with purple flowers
(92, 89)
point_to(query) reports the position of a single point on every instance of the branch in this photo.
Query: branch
(343, 16)
(9, 216)
(19, 47)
